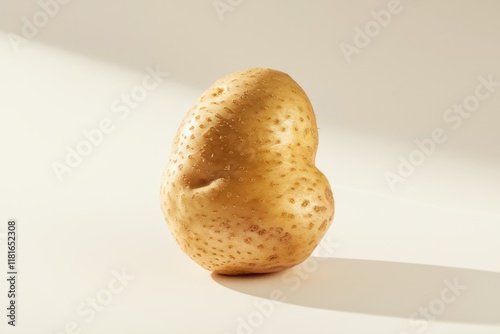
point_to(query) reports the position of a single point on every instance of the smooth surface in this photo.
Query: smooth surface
(389, 254)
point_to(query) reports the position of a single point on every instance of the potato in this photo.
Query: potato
(241, 193)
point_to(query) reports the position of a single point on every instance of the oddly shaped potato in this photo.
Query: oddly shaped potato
(241, 193)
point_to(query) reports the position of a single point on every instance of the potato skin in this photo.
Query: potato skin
(241, 193)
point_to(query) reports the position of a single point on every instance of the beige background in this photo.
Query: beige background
(105, 215)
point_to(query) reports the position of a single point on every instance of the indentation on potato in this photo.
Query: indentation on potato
(199, 183)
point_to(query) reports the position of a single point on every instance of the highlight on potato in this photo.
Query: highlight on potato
(241, 193)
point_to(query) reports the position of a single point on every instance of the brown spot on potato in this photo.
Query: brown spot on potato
(318, 208)
(254, 228)
(323, 225)
(285, 238)
(218, 92)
